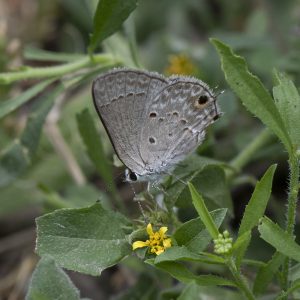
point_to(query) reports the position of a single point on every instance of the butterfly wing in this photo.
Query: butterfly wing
(176, 122)
(121, 98)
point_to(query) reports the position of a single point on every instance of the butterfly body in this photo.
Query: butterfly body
(153, 121)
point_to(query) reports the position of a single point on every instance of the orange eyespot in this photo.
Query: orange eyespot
(201, 101)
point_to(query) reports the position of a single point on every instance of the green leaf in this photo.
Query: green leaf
(144, 289)
(194, 235)
(266, 273)
(252, 92)
(294, 272)
(181, 273)
(240, 247)
(279, 239)
(203, 212)
(109, 16)
(196, 292)
(50, 282)
(254, 211)
(92, 141)
(8, 106)
(191, 291)
(18, 156)
(294, 286)
(86, 240)
(258, 202)
(176, 253)
(287, 100)
(205, 181)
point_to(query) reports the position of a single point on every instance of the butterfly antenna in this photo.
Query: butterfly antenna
(220, 93)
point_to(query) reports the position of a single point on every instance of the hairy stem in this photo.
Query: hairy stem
(60, 70)
(291, 208)
(239, 279)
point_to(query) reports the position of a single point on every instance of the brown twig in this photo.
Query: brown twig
(58, 142)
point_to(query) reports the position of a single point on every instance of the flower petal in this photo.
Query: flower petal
(167, 243)
(139, 244)
(149, 229)
(160, 251)
(163, 230)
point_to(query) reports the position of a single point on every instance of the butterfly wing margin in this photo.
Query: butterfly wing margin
(121, 98)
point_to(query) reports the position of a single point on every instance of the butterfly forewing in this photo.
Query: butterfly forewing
(121, 98)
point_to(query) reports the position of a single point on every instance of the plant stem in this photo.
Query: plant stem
(60, 70)
(291, 209)
(239, 279)
(246, 155)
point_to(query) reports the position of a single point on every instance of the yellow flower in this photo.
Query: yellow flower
(180, 64)
(158, 241)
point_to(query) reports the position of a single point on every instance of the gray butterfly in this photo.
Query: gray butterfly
(153, 122)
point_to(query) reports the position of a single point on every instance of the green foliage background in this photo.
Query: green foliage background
(59, 163)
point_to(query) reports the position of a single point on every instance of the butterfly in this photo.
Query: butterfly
(153, 121)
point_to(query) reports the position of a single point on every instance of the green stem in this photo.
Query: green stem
(246, 155)
(291, 209)
(60, 70)
(239, 279)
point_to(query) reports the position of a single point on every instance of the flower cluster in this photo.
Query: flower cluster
(157, 243)
(223, 243)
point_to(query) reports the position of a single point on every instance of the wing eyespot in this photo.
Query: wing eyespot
(152, 114)
(201, 101)
(152, 140)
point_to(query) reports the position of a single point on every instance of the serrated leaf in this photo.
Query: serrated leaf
(266, 273)
(109, 16)
(203, 212)
(50, 282)
(8, 106)
(254, 211)
(279, 239)
(181, 273)
(18, 156)
(94, 147)
(287, 100)
(258, 202)
(86, 240)
(193, 233)
(252, 92)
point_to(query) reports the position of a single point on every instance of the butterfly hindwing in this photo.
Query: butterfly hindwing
(176, 122)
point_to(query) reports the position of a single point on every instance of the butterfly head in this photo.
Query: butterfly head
(149, 175)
